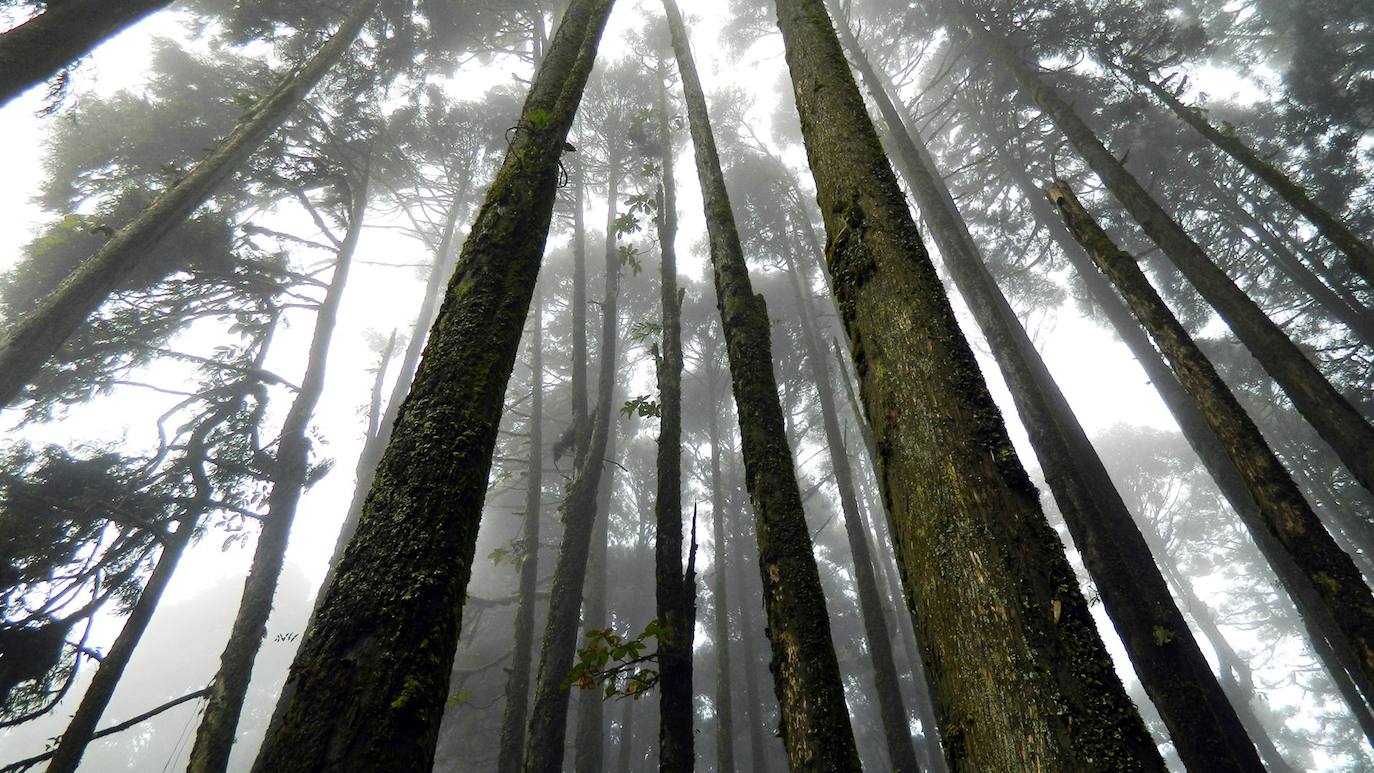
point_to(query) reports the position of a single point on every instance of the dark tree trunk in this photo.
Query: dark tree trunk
(219, 721)
(43, 46)
(1357, 251)
(549, 715)
(512, 743)
(672, 597)
(896, 729)
(31, 341)
(377, 441)
(367, 688)
(67, 756)
(815, 721)
(996, 603)
(1329, 586)
(1171, 667)
(1334, 418)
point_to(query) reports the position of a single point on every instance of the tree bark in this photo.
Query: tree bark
(1334, 418)
(1358, 252)
(32, 340)
(996, 604)
(219, 722)
(549, 715)
(367, 688)
(1175, 674)
(676, 741)
(1333, 585)
(43, 46)
(815, 720)
(896, 728)
(512, 743)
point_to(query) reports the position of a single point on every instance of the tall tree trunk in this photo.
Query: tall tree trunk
(549, 715)
(896, 728)
(512, 743)
(751, 628)
(580, 430)
(1334, 418)
(806, 676)
(219, 721)
(1357, 251)
(1333, 584)
(1186, 413)
(43, 46)
(996, 603)
(589, 742)
(1175, 674)
(81, 729)
(29, 342)
(627, 736)
(367, 688)
(676, 741)
(720, 586)
(377, 441)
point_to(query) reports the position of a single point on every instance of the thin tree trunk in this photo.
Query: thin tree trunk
(896, 729)
(43, 46)
(219, 722)
(367, 688)
(549, 715)
(32, 340)
(580, 430)
(996, 603)
(377, 441)
(512, 742)
(1334, 418)
(676, 741)
(720, 586)
(589, 742)
(1333, 583)
(1175, 674)
(1358, 252)
(81, 730)
(627, 735)
(760, 739)
(815, 720)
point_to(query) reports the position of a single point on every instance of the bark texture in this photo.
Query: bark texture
(367, 688)
(43, 46)
(32, 340)
(806, 676)
(1021, 678)
(1333, 588)
(1334, 418)
(1171, 667)
(219, 722)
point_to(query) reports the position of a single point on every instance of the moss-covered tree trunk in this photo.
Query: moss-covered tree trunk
(891, 711)
(29, 342)
(376, 442)
(815, 721)
(720, 587)
(1170, 664)
(512, 742)
(1329, 587)
(1190, 420)
(1021, 677)
(80, 730)
(549, 713)
(43, 46)
(1334, 418)
(367, 688)
(672, 605)
(219, 721)
(1357, 251)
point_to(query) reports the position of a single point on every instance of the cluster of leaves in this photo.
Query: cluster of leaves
(617, 663)
(641, 406)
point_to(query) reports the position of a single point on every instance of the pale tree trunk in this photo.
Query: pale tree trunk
(32, 340)
(368, 685)
(1172, 669)
(996, 603)
(815, 720)
(720, 586)
(219, 722)
(1329, 586)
